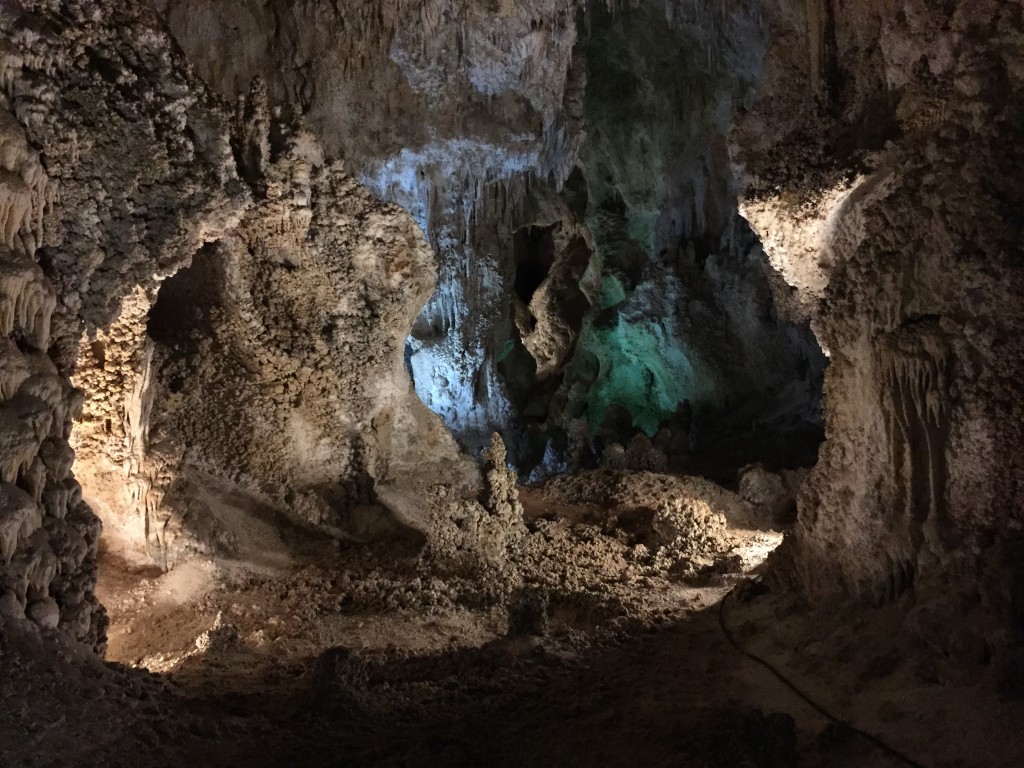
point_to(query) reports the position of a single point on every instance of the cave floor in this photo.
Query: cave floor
(346, 662)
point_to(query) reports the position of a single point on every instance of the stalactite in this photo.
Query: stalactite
(18, 510)
(26, 193)
(27, 300)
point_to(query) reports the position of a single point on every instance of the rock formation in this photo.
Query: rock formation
(882, 157)
(48, 535)
(269, 250)
(682, 311)
(504, 124)
(449, 109)
(277, 356)
(284, 401)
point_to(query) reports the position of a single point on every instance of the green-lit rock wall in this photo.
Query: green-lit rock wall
(682, 306)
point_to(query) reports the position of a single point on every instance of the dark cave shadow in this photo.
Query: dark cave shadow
(525, 701)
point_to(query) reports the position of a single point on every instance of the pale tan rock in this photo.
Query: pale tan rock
(861, 187)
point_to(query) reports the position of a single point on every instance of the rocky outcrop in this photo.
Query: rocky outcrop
(482, 538)
(881, 156)
(449, 109)
(233, 305)
(240, 311)
(142, 175)
(583, 216)
(277, 357)
(48, 535)
(192, 234)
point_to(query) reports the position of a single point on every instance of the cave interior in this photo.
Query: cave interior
(541, 383)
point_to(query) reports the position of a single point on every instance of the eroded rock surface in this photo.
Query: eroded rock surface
(584, 215)
(266, 387)
(192, 237)
(277, 357)
(265, 252)
(48, 535)
(882, 154)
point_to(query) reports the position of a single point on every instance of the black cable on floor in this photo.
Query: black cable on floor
(874, 740)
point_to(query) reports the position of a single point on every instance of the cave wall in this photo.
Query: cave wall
(188, 187)
(268, 384)
(121, 193)
(881, 159)
(489, 121)
(143, 175)
(682, 309)
(48, 536)
(190, 240)
(277, 378)
(448, 108)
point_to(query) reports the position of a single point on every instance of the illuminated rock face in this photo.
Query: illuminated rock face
(243, 315)
(879, 156)
(277, 378)
(513, 133)
(239, 239)
(447, 109)
(48, 536)
(233, 305)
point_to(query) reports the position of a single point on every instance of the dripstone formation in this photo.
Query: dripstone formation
(288, 267)
(48, 535)
(882, 159)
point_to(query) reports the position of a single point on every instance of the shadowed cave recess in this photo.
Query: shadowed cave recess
(553, 382)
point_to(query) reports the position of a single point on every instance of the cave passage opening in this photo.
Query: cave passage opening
(534, 255)
(627, 315)
(180, 315)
